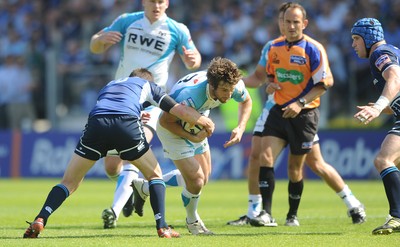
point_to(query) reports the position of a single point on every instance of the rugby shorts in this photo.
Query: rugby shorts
(176, 147)
(102, 133)
(298, 132)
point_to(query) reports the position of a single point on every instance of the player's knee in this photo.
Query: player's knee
(295, 175)
(381, 163)
(316, 167)
(112, 166)
(197, 183)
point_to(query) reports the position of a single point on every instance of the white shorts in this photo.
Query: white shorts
(177, 148)
(154, 115)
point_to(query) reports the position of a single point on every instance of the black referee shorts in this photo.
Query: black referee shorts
(298, 132)
(107, 132)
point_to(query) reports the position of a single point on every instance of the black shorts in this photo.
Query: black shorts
(298, 132)
(120, 132)
(396, 127)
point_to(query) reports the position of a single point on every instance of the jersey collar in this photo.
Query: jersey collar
(156, 23)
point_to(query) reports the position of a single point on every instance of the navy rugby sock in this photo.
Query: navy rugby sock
(54, 200)
(391, 181)
(157, 201)
(266, 184)
(295, 190)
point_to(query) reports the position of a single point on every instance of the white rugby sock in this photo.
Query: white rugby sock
(190, 202)
(348, 198)
(254, 206)
(124, 190)
(174, 178)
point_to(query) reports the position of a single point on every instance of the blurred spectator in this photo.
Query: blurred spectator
(72, 71)
(19, 87)
(12, 43)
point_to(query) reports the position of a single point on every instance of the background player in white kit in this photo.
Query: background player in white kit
(148, 39)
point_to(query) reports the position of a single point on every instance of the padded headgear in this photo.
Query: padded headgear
(370, 30)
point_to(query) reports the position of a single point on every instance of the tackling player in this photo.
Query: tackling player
(147, 39)
(114, 123)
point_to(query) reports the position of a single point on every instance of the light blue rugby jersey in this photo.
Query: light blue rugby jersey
(269, 103)
(193, 90)
(150, 46)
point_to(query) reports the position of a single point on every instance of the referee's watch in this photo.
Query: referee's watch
(302, 101)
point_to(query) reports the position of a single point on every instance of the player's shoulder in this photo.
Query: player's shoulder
(267, 45)
(387, 49)
(313, 43)
(175, 25)
(128, 18)
(280, 41)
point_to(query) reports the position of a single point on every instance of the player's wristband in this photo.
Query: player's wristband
(381, 103)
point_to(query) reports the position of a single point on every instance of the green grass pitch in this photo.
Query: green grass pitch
(77, 222)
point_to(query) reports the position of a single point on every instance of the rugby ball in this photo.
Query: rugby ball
(192, 129)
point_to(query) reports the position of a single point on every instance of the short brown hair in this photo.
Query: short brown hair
(142, 73)
(223, 70)
(284, 7)
(298, 6)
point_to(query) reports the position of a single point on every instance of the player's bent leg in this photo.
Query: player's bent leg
(139, 195)
(195, 177)
(151, 170)
(73, 176)
(317, 164)
(141, 188)
(295, 187)
(75, 172)
(254, 196)
(113, 166)
(123, 192)
(329, 174)
(122, 174)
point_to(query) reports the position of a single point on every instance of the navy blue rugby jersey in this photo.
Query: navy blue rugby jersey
(383, 57)
(127, 96)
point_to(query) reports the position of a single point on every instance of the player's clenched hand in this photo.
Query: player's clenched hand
(272, 87)
(145, 117)
(208, 125)
(189, 57)
(111, 37)
(292, 110)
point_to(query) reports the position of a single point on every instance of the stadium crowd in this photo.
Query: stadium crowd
(33, 30)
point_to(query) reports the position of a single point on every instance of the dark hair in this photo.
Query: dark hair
(221, 71)
(142, 73)
(284, 7)
(298, 6)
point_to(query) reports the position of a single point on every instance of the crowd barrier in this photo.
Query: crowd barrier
(28, 155)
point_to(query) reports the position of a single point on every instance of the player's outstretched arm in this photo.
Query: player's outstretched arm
(244, 115)
(102, 41)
